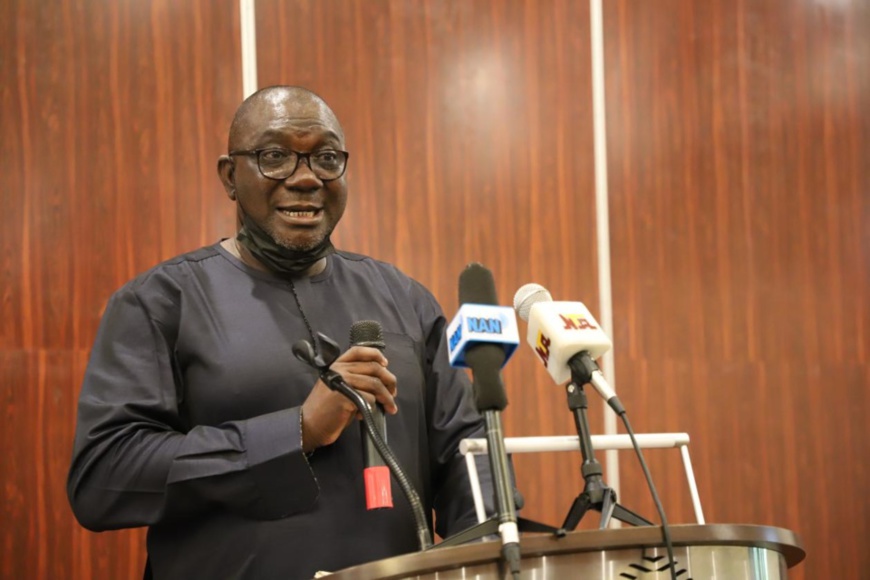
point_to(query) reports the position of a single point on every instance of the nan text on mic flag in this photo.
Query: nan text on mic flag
(481, 323)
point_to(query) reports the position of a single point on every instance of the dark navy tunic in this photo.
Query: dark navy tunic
(189, 421)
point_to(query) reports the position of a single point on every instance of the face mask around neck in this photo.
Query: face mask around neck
(278, 259)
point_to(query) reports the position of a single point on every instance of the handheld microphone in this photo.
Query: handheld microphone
(379, 493)
(565, 337)
(329, 351)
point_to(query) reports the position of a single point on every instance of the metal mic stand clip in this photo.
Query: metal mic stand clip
(596, 494)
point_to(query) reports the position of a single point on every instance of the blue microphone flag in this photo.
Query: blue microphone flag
(481, 323)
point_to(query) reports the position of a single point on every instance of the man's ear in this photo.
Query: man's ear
(226, 171)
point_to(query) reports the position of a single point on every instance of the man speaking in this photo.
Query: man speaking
(197, 421)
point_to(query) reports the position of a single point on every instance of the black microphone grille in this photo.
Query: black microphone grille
(477, 286)
(367, 333)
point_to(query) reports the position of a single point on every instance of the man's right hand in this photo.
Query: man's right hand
(326, 413)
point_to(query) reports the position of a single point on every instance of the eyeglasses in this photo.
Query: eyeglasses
(276, 163)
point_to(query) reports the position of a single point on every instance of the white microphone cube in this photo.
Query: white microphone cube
(559, 330)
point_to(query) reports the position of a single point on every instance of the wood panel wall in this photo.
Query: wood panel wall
(469, 128)
(738, 154)
(739, 147)
(113, 114)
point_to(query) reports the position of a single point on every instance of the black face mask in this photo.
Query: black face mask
(280, 260)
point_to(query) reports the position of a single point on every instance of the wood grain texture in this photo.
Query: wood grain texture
(738, 147)
(469, 129)
(113, 115)
(738, 155)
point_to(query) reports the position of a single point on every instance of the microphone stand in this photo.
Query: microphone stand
(596, 494)
(506, 503)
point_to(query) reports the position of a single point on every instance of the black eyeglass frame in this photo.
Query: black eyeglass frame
(299, 156)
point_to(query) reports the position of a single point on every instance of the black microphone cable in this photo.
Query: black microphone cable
(304, 351)
(583, 366)
(613, 401)
(666, 535)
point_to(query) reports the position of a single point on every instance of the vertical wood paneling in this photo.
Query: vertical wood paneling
(738, 148)
(113, 115)
(469, 127)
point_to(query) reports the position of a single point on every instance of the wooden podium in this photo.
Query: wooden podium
(705, 552)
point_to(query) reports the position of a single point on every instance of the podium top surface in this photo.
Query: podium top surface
(780, 540)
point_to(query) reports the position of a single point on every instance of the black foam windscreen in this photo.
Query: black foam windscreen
(477, 286)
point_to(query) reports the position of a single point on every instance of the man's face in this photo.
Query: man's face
(301, 211)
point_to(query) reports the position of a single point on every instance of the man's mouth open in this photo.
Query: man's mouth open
(301, 216)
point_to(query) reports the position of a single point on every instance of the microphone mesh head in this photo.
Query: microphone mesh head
(367, 333)
(527, 296)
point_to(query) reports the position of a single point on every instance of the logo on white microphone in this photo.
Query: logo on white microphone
(570, 322)
(542, 348)
(577, 322)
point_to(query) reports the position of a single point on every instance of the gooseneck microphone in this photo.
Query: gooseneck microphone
(379, 494)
